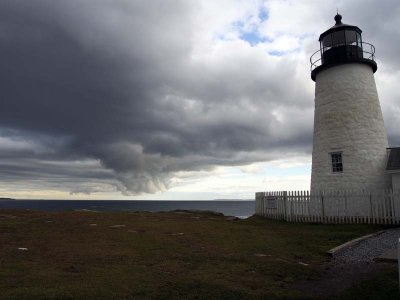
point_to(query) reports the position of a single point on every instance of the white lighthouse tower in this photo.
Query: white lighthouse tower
(349, 146)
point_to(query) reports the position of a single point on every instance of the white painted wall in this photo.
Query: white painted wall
(348, 118)
(396, 181)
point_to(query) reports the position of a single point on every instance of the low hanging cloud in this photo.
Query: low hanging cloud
(127, 94)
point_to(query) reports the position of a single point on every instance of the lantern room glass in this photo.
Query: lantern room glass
(341, 38)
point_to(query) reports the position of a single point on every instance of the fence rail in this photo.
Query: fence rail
(350, 206)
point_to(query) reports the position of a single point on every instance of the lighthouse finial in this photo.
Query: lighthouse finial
(338, 18)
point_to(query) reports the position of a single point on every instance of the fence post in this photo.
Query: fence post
(322, 206)
(398, 259)
(370, 208)
(285, 203)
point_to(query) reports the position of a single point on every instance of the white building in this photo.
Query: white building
(393, 168)
(350, 146)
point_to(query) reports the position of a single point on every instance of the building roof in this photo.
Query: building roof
(393, 162)
(339, 26)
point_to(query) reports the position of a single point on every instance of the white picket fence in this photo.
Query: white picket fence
(350, 206)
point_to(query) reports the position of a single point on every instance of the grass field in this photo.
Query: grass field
(89, 255)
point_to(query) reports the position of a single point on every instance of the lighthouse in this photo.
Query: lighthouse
(349, 142)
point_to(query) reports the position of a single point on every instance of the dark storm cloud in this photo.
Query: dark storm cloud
(109, 80)
(110, 92)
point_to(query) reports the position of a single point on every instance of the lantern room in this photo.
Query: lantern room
(340, 44)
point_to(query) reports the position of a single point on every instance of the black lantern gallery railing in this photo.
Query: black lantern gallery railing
(342, 54)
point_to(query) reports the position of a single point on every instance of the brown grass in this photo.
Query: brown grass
(158, 255)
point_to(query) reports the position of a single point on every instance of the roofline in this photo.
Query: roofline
(393, 171)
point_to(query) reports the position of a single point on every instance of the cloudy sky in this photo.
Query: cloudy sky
(126, 99)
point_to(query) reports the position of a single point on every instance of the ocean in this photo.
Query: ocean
(237, 208)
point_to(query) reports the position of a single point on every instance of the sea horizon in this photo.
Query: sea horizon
(228, 207)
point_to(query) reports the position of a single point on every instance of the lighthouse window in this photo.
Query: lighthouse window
(327, 42)
(351, 37)
(338, 38)
(337, 163)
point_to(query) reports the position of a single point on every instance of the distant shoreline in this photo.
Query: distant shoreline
(238, 208)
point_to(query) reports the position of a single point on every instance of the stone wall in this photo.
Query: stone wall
(348, 119)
